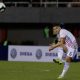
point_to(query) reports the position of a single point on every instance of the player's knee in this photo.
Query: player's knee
(68, 59)
(64, 48)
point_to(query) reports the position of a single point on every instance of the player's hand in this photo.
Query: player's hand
(50, 48)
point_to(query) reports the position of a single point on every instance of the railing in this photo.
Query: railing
(42, 4)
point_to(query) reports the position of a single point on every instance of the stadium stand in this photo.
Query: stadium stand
(42, 3)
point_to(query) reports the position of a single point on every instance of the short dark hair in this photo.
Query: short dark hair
(56, 24)
(59, 25)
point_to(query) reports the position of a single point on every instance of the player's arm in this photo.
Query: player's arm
(58, 44)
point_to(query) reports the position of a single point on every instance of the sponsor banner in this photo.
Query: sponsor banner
(31, 53)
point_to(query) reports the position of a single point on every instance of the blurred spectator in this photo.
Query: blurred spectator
(78, 39)
(3, 35)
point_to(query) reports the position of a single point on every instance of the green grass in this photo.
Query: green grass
(36, 71)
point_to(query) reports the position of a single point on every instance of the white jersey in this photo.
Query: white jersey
(70, 40)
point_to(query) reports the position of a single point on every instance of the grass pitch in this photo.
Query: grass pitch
(36, 71)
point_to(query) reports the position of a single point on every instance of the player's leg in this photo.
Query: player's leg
(60, 54)
(70, 55)
(61, 51)
(66, 67)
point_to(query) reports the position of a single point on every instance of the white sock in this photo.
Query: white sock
(65, 69)
(60, 53)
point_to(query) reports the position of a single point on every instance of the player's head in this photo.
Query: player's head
(56, 28)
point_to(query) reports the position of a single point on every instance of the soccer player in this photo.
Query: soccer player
(67, 44)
